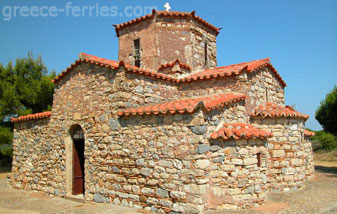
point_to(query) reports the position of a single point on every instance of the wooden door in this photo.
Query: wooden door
(78, 167)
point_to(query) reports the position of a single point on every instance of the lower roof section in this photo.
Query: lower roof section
(218, 72)
(32, 116)
(185, 105)
(309, 133)
(272, 110)
(238, 131)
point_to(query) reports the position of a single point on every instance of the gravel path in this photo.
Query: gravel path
(319, 196)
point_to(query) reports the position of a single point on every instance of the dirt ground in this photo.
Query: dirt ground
(318, 196)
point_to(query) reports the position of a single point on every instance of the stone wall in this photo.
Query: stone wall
(158, 162)
(37, 163)
(255, 85)
(308, 157)
(289, 153)
(146, 35)
(106, 90)
(232, 84)
(264, 87)
(166, 39)
(122, 89)
(236, 179)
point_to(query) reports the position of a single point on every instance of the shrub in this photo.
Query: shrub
(324, 140)
(6, 137)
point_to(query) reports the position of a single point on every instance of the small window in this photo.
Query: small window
(258, 156)
(205, 51)
(78, 133)
(266, 95)
(136, 54)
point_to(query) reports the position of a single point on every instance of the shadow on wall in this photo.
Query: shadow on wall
(325, 169)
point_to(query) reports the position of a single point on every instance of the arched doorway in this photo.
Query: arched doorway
(78, 161)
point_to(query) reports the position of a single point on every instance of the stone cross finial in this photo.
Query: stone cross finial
(167, 6)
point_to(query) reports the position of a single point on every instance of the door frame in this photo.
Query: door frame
(69, 159)
(73, 171)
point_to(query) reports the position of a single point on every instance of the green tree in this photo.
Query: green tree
(326, 114)
(25, 88)
(324, 141)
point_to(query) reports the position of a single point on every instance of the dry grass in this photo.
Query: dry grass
(323, 158)
(4, 172)
(3, 175)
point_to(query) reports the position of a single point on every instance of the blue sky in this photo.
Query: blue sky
(300, 37)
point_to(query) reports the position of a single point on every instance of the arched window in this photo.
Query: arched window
(78, 133)
(205, 53)
(136, 53)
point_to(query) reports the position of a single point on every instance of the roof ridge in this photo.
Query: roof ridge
(166, 13)
(308, 133)
(217, 72)
(238, 131)
(232, 65)
(273, 110)
(39, 115)
(83, 57)
(185, 105)
(172, 63)
(234, 69)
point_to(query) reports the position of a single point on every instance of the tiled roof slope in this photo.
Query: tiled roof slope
(272, 110)
(171, 64)
(168, 14)
(185, 105)
(83, 57)
(238, 131)
(219, 72)
(32, 116)
(308, 133)
(232, 70)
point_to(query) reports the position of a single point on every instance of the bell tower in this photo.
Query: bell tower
(168, 39)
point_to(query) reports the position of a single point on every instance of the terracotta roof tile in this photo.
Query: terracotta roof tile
(165, 14)
(238, 131)
(185, 105)
(308, 133)
(272, 110)
(32, 116)
(83, 57)
(218, 72)
(171, 64)
(232, 70)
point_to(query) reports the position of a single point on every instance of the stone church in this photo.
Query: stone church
(165, 128)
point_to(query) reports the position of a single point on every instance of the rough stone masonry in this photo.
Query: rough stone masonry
(176, 134)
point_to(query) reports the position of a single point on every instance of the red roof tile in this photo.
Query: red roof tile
(232, 70)
(277, 111)
(308, 133)
(238, 131)
(83, 57)
(165, 14)
(185, 105)
(32, 116)
(171, 64)
(218, 72)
